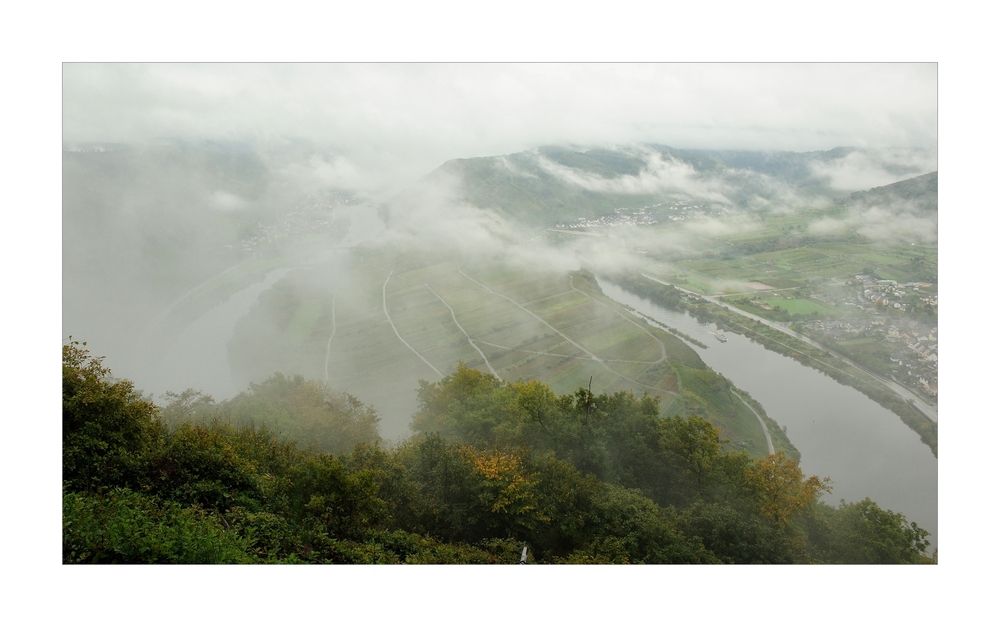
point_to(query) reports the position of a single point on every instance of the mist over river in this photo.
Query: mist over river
(198, 358)
(865, 449)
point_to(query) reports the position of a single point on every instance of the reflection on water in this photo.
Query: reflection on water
(865, 449)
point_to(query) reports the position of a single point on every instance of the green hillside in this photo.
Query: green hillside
(402, 320)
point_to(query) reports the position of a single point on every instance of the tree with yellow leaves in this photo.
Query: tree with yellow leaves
(780, 487)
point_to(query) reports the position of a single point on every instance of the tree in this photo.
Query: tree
(781, 489)
(188, 406)
(106, 423)
(306, 411)
(466, 406)
(864, 533)
(736, 537)
(693, 445)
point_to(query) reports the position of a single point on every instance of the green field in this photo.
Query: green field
(545, 325)
(778, 250)
(801, 305)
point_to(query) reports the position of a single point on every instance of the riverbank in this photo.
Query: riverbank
(865, 449)
(784, 343)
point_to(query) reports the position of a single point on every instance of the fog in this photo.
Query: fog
(386, 125)
(181, 181)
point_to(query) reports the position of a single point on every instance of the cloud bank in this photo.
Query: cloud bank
(391, 123)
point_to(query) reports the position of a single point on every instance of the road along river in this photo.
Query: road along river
(866, 450)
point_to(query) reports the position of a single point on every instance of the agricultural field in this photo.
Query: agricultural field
(801, 306)
(777, 250)
(398, 321)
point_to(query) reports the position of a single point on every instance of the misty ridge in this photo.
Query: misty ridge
(157, 235)
(144, 223)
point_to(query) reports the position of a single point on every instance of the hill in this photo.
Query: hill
(555, 184)
(919, 192)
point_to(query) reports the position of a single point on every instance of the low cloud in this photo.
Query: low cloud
(714, 227)
(864, 169)
(897, 223)
(891, 223)
(322, 172)
(827, 226)
(226, 201)
(658, 175)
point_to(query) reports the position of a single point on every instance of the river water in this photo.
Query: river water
(865, 449)
(198, 358)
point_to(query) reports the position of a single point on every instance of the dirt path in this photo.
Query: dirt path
(394, 330)
(333, 321)
(663, 347)
(469, 339)
(767, 434)
(593, 357)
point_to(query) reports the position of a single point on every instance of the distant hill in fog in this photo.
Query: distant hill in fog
(920, 191)
(552, 184)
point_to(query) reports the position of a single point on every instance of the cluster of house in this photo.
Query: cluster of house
(689, 212)
(915, 345)
(634, 217)
(309, 217)
(919, 357)
(890, 293)
(644, 216)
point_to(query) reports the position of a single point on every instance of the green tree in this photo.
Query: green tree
(736, 537)
(305, 411)
(106, 423)
(693, 448)
(864, 533)
(125, 527)
(189, 406)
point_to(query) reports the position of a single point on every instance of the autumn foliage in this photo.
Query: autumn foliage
(291, 471)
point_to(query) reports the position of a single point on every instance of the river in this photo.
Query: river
(198, 358)
(865, 449)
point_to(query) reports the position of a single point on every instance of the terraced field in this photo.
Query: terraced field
(394, 324)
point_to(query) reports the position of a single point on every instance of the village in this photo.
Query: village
(647, 215)
(313, 215)
(911, 346)
(874, 292)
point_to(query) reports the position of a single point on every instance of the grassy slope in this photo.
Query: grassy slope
(563, 319)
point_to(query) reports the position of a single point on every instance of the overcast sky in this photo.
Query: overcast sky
(402, 120)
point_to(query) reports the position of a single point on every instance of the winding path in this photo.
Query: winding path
(333, 321)
(767, 434)
(387, 317)
(663, 348)
(592, 357)
(469, 339)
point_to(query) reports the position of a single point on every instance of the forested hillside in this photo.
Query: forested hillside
(492, 467)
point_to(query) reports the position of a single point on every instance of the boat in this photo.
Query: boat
(719, 336)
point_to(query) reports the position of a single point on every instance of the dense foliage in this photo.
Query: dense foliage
(492, 467)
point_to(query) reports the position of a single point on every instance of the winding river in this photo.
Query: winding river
(198, 358)
(865, 449)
